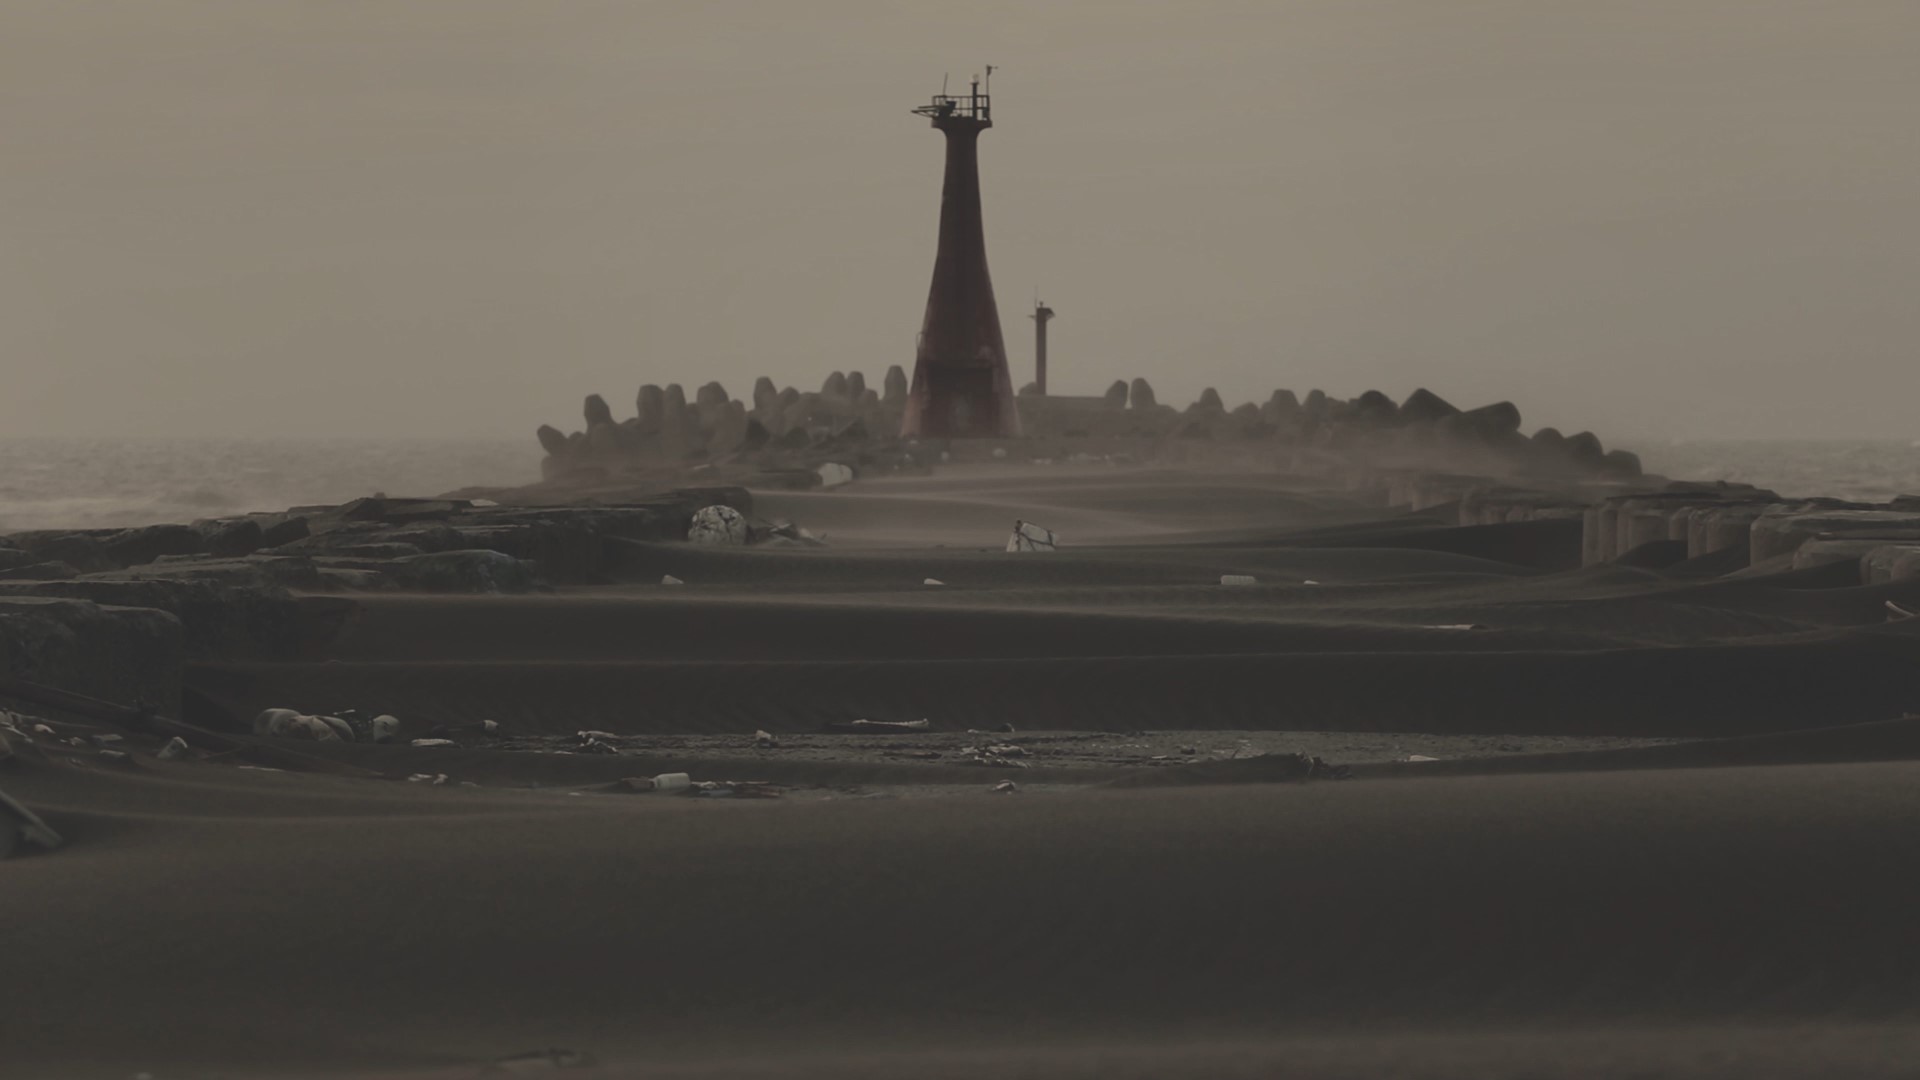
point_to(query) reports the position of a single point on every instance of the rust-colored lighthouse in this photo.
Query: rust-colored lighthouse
(960, 381)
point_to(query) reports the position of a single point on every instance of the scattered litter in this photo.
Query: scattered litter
(833, 475)
(718, 525)
(42, 729)
(1309, 581)
(118, 757)
(933, 581)
(672, 782)
(1455, 626)
(287, 724)
(1006, 787)
(539, 1062)
(108, 739)
(21, 825)
(434, 742)
(1003, 729)
(793, 535)
(734, 789)
(669, 579)
(880, 727)
(765, 740)
(1030, 537)
(1419, 757)
(384, 728)
(592, 734)
(435, 779)
(1237, 579)
(1895, 612)
(999, 756)
(591, 742)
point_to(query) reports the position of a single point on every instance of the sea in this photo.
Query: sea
(77, 483)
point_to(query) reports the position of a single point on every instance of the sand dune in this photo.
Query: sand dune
(1734, 905)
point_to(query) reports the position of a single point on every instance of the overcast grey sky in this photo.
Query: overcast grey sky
(457, 217)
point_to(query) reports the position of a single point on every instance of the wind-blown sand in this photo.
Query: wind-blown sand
(1592, 900)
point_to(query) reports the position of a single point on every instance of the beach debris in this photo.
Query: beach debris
(636, 784)
(176, 747)
(933, 581)
(733, 789)
(20, 825)
(765, 740)
(1190, 751)
(287, 724)
(385, 728)
(1030, 537)
(538, 1063)
(118, 757)
(1238, 579)
(720, 526)
(833, 475)
(1006, 787)
(880, 727)
(791, 535)
(596, 742)
(998, 756)
(431, 743)
(672, 782)
(669, 579)
(1309, 581)
(1419, 757)
(107, 739)
(1895, 612)
(436, 779)
(1455, 626)
(341, 729)
(1003, 729)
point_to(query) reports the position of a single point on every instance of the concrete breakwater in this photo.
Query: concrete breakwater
(782, 433)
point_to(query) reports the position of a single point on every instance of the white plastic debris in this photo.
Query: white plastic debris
(833, 475)
(1238, 579)
(1006, 787)
(176, 748)
(385, 728)
(1309, 581)
(434, 742)
(287, 724)
(1030, 537)
(1419, 757)
(672, 782)
(1895, 612)
(933, 581)
(720, 526)
(669, 579)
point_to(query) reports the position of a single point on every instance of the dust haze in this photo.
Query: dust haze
(439, 218)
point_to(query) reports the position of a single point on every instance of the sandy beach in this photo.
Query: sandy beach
(1577, 886)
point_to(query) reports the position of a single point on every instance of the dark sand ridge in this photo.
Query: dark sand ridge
(263, 919)
(1632, 909)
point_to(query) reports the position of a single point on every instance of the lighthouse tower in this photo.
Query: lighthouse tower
(960, 383)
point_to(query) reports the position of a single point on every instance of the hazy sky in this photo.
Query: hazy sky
(458, 217)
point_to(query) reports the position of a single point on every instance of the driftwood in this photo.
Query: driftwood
(147, 720)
